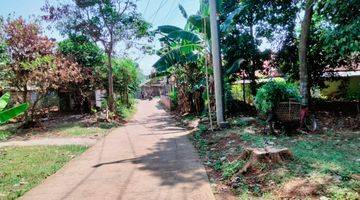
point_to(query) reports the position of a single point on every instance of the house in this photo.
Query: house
(345, 85)
(156, 87)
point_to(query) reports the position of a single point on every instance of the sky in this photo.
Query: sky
(157, 12)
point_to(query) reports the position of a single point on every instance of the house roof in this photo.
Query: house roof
(343, 71)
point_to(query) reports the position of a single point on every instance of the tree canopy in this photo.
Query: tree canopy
(109, 22)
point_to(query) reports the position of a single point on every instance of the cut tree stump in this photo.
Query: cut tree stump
(268, 155)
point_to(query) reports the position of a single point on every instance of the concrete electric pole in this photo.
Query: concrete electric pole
(216, 57)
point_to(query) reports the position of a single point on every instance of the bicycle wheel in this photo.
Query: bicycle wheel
(310, 123)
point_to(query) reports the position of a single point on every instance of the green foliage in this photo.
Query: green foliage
(76, 129)
(4, 100)
(239, 122)
(230, 169)
(127, 76)
(333, 41)
(6, 115)
(4, 58)
(173, 95)
(353, 95)
(178, 55)
(84, 52)
(4, 134)
(273, 92)
(246, 25)
(126, 110)
(199, 141)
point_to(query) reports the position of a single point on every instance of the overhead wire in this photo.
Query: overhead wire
(170, 11)
(146, 8)
(162, 3)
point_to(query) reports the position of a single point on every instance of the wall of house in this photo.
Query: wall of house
(237, 93)
(354, 88)
(333, 89)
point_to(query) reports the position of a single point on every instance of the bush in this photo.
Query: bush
(125, 111)
(273, 92)
(173, 95)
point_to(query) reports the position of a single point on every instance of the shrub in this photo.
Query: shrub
(273, 92)
(173, 95)
(124, 110)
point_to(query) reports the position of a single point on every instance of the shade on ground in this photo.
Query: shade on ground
(149, 158)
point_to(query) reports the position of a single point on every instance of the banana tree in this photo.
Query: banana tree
(183, 45)
(188, 50)
(8, 114)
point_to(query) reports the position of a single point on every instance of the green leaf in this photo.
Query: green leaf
(4, 100)
(227, 25)
(184, 35)
(235, 67)
(11, 113)
(199, 23)
(175, 56)
(168, 29)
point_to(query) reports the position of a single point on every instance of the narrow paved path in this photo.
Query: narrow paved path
(51, 141)
(150, 158)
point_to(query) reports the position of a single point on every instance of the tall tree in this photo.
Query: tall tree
(34, 64)
(106, 21)
(303, 49)
(246, 25)
(332, 42)
(87, 54)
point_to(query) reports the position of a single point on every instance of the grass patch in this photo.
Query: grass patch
(4, 135)
(127, 113)
(229, 169)
(79, 129)
(22, 168)
(328, 162)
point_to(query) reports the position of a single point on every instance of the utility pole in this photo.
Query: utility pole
(216, 57)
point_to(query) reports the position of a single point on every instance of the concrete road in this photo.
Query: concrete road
(150, 158)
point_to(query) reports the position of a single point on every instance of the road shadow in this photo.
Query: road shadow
(173, 159)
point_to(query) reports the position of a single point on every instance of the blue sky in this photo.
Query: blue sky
(157, 12)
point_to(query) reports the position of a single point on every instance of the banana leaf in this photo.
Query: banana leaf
(175, 56)
(184, 35)
(4, 100)
(11, 113)
(168, 29)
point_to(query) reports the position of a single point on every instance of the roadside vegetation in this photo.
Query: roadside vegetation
(67, 127)
(290, 73)
(22, 168)
(323, 165)
(288, 138)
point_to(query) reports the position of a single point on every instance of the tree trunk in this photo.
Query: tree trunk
(244, 90)
(252, 65)
(111, 101)
(25, 94)
(252, 78)
(303, 72)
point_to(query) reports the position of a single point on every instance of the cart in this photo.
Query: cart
(292, 112)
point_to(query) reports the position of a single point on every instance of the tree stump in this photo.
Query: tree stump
(268, 155)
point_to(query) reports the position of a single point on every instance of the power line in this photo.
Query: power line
(162, 3)
(147, 6)
(170, 11)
